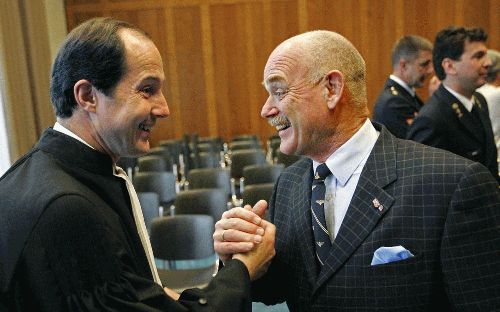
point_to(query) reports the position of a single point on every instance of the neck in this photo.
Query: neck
(457, 87)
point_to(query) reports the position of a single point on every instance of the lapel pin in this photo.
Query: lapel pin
(377, 205)
(394, 91)
(316, 176)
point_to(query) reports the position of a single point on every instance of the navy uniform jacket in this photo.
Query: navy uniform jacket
(395, 108)
(68, 241)
(443, 208)
(444, 122)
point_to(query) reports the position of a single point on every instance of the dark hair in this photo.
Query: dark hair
(92, 51)
(450, 43)
(408, 47)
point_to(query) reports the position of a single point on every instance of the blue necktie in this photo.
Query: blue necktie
(321, 236)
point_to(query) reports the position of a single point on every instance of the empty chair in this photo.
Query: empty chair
(152, 163)
(212, 202)
(210, 178)
(207, 160)
(162, 183)
(245, 137)
(255, 192)
(285, 159)
(242, 158)
(183, 237)
(257, 174)
(240, 145)
(150, 205)
(165, 154)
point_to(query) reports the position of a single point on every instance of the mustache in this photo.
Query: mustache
(278, 120)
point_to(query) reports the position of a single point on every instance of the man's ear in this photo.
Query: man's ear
(85, 95)
(448, 66)
(334, 88)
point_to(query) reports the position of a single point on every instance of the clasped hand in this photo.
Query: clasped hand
(243, 234)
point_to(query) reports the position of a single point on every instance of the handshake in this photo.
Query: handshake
(244, 235)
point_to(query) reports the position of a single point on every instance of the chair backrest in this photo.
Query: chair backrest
(245, 137)
(162, 183)
(212, 202)
(285, 159)
(207, 160)
(210, 178)
(255, 192)
(257, 174)
(182, 237)
(154, 163)
(242, 158)
(150, 204)
(165, 154)
(240, 145)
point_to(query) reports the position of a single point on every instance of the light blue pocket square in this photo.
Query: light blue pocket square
(390, 254)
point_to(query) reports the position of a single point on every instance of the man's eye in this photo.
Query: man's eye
(279, 94)
(147, 90)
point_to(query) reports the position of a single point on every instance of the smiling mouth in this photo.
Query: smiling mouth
(280, 123)
(145, 127)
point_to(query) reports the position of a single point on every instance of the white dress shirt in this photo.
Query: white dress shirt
(464, 100)
(346, 165)
(403, 84)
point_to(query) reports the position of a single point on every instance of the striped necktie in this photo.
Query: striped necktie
(321, 236)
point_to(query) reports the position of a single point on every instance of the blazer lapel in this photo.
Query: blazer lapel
(464, 117)
(368, 205)
(301, 205)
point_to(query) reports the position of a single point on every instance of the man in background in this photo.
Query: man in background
(72, 234)
(491, 92)
(398, 104)
(366, 221)
(456, 117)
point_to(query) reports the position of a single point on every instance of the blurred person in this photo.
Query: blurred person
(72, 234)
(398, 104)
(366, 221)
(434, 83)
(491, 92)
(456, 117)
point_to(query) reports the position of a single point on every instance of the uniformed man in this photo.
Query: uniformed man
(456, 117)
(398, 104)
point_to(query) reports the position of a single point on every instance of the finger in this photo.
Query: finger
(226, 248)
(237, 236)
(242, 213)
(260, 208)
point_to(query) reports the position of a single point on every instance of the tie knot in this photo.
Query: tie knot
(322, 172)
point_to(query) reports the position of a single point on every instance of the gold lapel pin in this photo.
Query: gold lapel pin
(457, 109)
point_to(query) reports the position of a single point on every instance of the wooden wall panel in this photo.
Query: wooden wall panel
(214, 51)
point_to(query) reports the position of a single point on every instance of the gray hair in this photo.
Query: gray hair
(328, 51)
(408, 48)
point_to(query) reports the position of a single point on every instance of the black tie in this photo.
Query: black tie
(321, 235)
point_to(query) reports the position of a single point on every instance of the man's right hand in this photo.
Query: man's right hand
(239, 230)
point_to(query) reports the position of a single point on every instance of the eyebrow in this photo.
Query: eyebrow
(273, 79)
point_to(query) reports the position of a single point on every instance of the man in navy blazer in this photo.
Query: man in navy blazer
(398, 104)
(456, 117)
(410, 227)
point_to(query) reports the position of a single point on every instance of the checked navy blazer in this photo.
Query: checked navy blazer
(443, 208)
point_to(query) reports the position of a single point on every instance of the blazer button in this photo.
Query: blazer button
(202, 301)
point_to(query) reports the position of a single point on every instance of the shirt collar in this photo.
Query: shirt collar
(403, 84)
(61, 128)
(353, 153)
(464, 100)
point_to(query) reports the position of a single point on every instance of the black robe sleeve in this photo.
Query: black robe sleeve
(76, 260)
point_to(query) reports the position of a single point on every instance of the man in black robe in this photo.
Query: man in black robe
(72, 235)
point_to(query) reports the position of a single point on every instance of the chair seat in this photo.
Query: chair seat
(181, 279)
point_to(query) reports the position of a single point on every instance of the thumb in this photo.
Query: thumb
(260, 208)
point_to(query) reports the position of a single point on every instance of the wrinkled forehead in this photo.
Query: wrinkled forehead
(285, 61)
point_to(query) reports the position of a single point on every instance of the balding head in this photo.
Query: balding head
(325, 51)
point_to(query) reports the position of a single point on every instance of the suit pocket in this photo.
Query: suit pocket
(396, 271)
